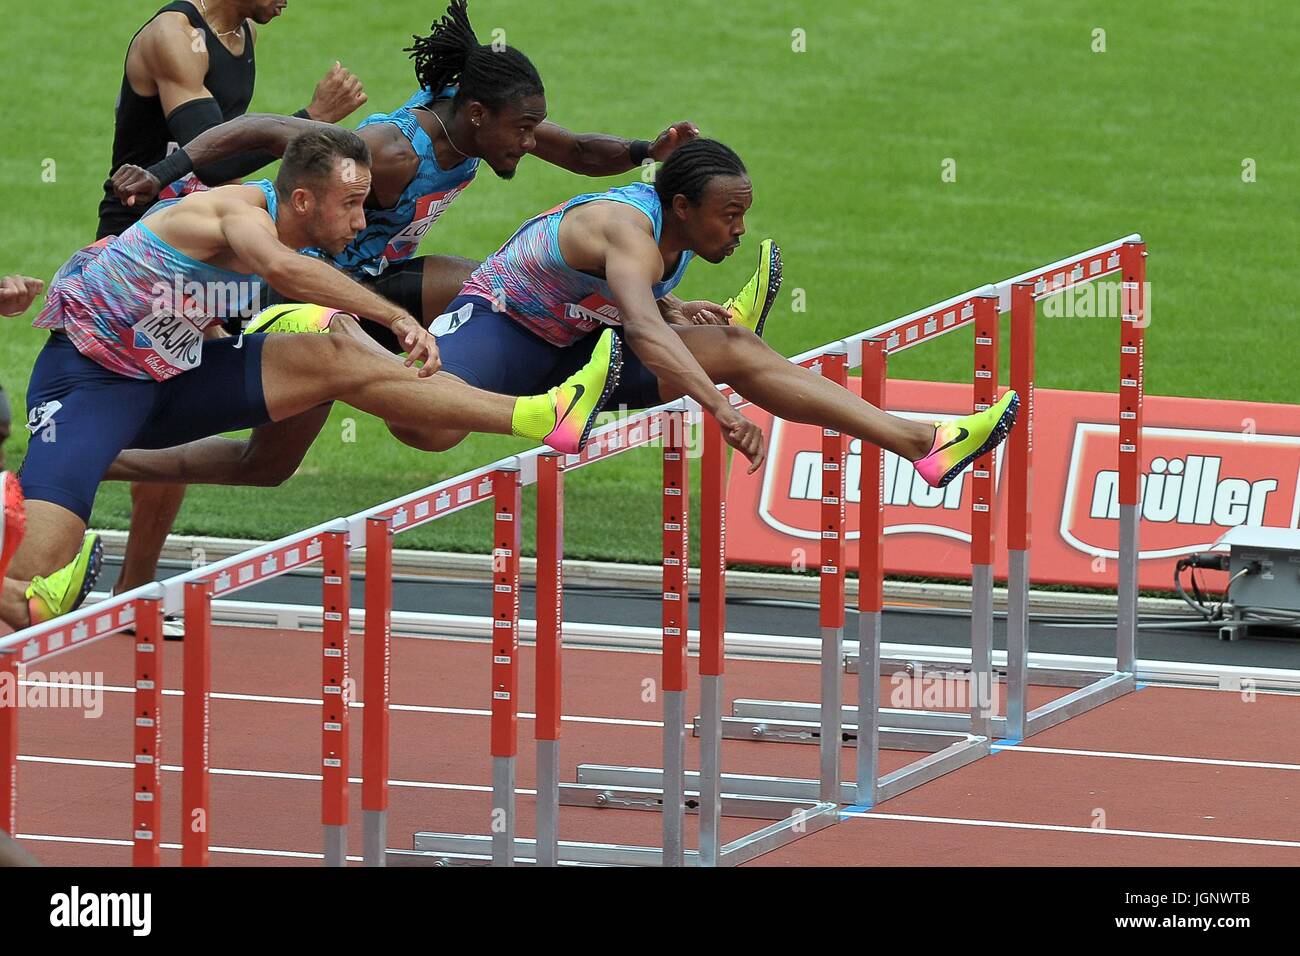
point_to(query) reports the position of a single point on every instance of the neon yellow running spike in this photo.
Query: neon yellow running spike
(65, 589)
(752, 303)
(959, 442)
(563, 417)
(293, 317)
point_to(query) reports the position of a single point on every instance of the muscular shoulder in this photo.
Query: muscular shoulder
(167, 48)
(393, 161)
(591, 231)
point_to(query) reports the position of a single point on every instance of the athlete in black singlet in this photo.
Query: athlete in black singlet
(185, 73)
(188, 69)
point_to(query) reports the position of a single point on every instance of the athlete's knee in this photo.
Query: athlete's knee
(741, 350)
(742, 339)
(338, 359)
(432, 440)
(152, 497)
(261, 468)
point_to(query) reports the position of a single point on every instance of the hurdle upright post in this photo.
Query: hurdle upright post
(196, 790)
(146, 795)
(983, 492)
(1133, 267)
(336, 694)
(713, 627)
(505, 661)
(676, 560)
(871, 582)
(834, 368)
(1020, 455)
(550, 625)
(374, 714)
(9, 743)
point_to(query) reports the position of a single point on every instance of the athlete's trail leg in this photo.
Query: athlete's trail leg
(302, 371)
(267, 458)
(153, 512)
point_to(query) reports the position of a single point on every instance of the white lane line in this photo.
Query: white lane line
(235, 850)
(358, 705)
(1160, 758)
(262, 774)
(1058, 828)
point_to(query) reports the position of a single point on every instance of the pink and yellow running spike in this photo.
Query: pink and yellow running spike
(563, 417)
(959, 442)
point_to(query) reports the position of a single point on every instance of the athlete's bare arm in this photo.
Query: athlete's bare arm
(230, 228)
(393, 161)
(265, 132)
(168, 60)
(599, 154)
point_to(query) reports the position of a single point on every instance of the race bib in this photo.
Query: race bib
(166, 345)
(428, 209)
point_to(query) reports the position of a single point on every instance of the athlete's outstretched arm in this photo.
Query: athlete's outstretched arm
(599, 154)
(251, 235)
(257, 134)
(632, 264)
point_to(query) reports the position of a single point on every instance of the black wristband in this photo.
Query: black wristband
(172, 168)
(639, 151)
(303, 114)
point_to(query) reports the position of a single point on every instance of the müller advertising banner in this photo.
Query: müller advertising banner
(1207, 466)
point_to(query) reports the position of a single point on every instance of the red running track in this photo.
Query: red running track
(1162, 777)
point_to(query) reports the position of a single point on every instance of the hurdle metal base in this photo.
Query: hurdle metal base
(1041, 676)
(644, 781)
(453, 849)
(953, 723)
(795, 721)
(1081, 701)
(648, 798)
(809, 732)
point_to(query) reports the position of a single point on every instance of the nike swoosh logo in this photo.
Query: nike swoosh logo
(240, 343)
(964, 434)
(580, 390)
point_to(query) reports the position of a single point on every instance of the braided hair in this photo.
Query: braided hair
(690, 168)
(451, 55)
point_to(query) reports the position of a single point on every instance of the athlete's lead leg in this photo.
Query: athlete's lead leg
(742, 360)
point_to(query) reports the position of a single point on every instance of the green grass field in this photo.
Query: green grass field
(1057, 148)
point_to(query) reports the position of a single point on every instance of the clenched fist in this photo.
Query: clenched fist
(337, 96)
